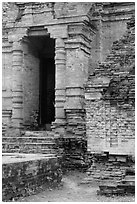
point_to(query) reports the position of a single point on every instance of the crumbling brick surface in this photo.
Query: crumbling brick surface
(24, 178)
(110, 99)
(73, 151)
(111, 167)
(122, 56)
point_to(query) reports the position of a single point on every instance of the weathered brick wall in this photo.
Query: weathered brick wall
(28, 176)
(122, 55)
(63, 9)
(111, 31)
(36, 12)
(110, 99)
(110, 128)
(9, 13)
(111, 167)
(107, 33)
(110, 20)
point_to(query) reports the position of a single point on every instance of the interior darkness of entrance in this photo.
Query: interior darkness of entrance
(44, 48)
(47, 91)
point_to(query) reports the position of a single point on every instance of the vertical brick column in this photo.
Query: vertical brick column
(76, 75)
(60, 62)
(75, 144)
(17, 92)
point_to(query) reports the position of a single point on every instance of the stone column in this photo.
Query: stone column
(60, 63)
(17, 92)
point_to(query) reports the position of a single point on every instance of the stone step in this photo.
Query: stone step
(3, 132)
(21, 155)
(27, 139)
(31, 142)
(130, 177)
(129, 180)
(118, 187)
(28, 145)
(40, 151)
(128, 188)
(3, 129)
(38, 134)
(128, 184)
(109, 190)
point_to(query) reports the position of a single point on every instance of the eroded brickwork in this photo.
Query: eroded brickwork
(110, 99)
(110, 21)
(27, 177)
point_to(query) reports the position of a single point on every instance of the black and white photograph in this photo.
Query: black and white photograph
(68, 101)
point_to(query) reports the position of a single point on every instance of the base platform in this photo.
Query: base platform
(24, 174)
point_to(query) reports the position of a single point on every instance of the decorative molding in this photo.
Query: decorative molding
(6, 48)
(6, 113)
(83, 29)
(80, 35)
(58, 31)
(37, 31)
(78, 43)
(113, 11)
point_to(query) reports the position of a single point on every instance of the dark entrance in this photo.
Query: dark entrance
(47, 91)
(43, 47)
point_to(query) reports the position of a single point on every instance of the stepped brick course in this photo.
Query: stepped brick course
(31, 142)
(113, 167)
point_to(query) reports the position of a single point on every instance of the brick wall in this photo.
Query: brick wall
(110, 99)
(110, 128)
(25, 177)
(110, 21)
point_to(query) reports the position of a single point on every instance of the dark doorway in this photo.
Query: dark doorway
(47, 91)
(43, 47)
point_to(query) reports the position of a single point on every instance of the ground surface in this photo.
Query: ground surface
(72, 191)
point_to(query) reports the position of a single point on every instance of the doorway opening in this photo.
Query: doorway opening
(47, 92)
(45, 51)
